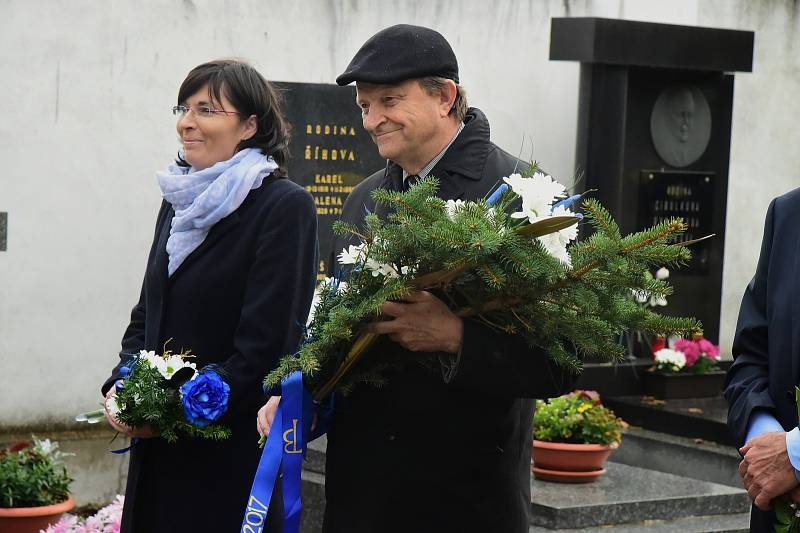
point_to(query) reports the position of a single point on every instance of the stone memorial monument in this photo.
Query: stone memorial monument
(654, 131)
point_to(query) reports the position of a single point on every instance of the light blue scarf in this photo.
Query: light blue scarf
(204, 197)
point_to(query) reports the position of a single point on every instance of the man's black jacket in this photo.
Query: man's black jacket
(448, 449)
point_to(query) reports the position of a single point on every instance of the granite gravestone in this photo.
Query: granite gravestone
(330, 151)
(654, 130)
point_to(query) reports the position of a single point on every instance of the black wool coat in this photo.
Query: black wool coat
(238, 301)
(446, 450)
(766, 345)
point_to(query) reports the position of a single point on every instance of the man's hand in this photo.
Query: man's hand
(422, 323)
(765, 469)
(144, 432)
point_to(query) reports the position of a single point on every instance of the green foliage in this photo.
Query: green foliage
(501, 277)
(147, 398)
(703, 365)
(576, 418)
(33, 476)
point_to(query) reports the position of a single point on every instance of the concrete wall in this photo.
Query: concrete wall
(85, 123)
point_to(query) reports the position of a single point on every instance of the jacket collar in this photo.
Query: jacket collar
(465, 159)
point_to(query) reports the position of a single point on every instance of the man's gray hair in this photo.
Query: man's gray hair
(434, 85)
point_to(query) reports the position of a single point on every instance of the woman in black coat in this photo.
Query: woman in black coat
(230, 276)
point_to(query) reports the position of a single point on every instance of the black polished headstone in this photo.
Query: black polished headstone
(654, 132)
(330, 151)
(646, 44)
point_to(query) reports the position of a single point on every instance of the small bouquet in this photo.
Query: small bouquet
(171, 395)
(504, 262)
(695, 356)
(106, 520)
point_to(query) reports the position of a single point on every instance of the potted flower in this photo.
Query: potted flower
(34, 487)
(573, 436)
(689, 369)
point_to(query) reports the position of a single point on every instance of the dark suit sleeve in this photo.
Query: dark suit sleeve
(278, 294)
(747, 383)
(133, 339)
(504, 365)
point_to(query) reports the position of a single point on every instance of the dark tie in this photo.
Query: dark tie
(409, 181)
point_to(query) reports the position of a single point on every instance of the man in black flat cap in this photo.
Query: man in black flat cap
(444, 450)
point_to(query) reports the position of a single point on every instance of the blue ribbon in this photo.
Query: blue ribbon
(287, 449)
(495, 197)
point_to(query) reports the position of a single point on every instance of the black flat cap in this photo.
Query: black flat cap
(400, 53)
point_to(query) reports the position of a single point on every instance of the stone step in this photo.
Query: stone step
(628, 494)
(682, 456)
(727, 523)
(704, 418)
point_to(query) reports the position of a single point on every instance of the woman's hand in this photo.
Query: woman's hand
(266, 415)
(144, 432)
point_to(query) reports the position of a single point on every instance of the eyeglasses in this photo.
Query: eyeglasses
(202, 111)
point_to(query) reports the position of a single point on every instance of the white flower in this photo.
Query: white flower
(537, 193)
(665, 356)
(662, 273)
(640, 296)
(552, 243)
(112, 406)
(353, 254)
(166, 366)
(150, 358)
(381, 269)
(45, 446)
(556, 243)
(452, 207)
(175, 362)
(657, 301)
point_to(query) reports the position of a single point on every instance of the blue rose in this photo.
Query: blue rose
(205, 398)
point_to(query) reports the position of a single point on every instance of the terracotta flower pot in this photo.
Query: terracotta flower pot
(32, 519)
(568, 463)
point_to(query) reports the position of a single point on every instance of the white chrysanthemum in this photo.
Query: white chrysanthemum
(662, 273)
(381, 269)
(353, 254)
(150, 358)
(113, 406)
(166, 366)
(552, 243)
(676, 359)
(569, 234)
(556, 243)
(452, 207)
(173, 363)
(537, 193)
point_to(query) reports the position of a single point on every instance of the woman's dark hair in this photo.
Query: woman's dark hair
(250, 94)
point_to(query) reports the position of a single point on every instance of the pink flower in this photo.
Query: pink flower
(107, 520)
(708, 348)
(690, 350)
